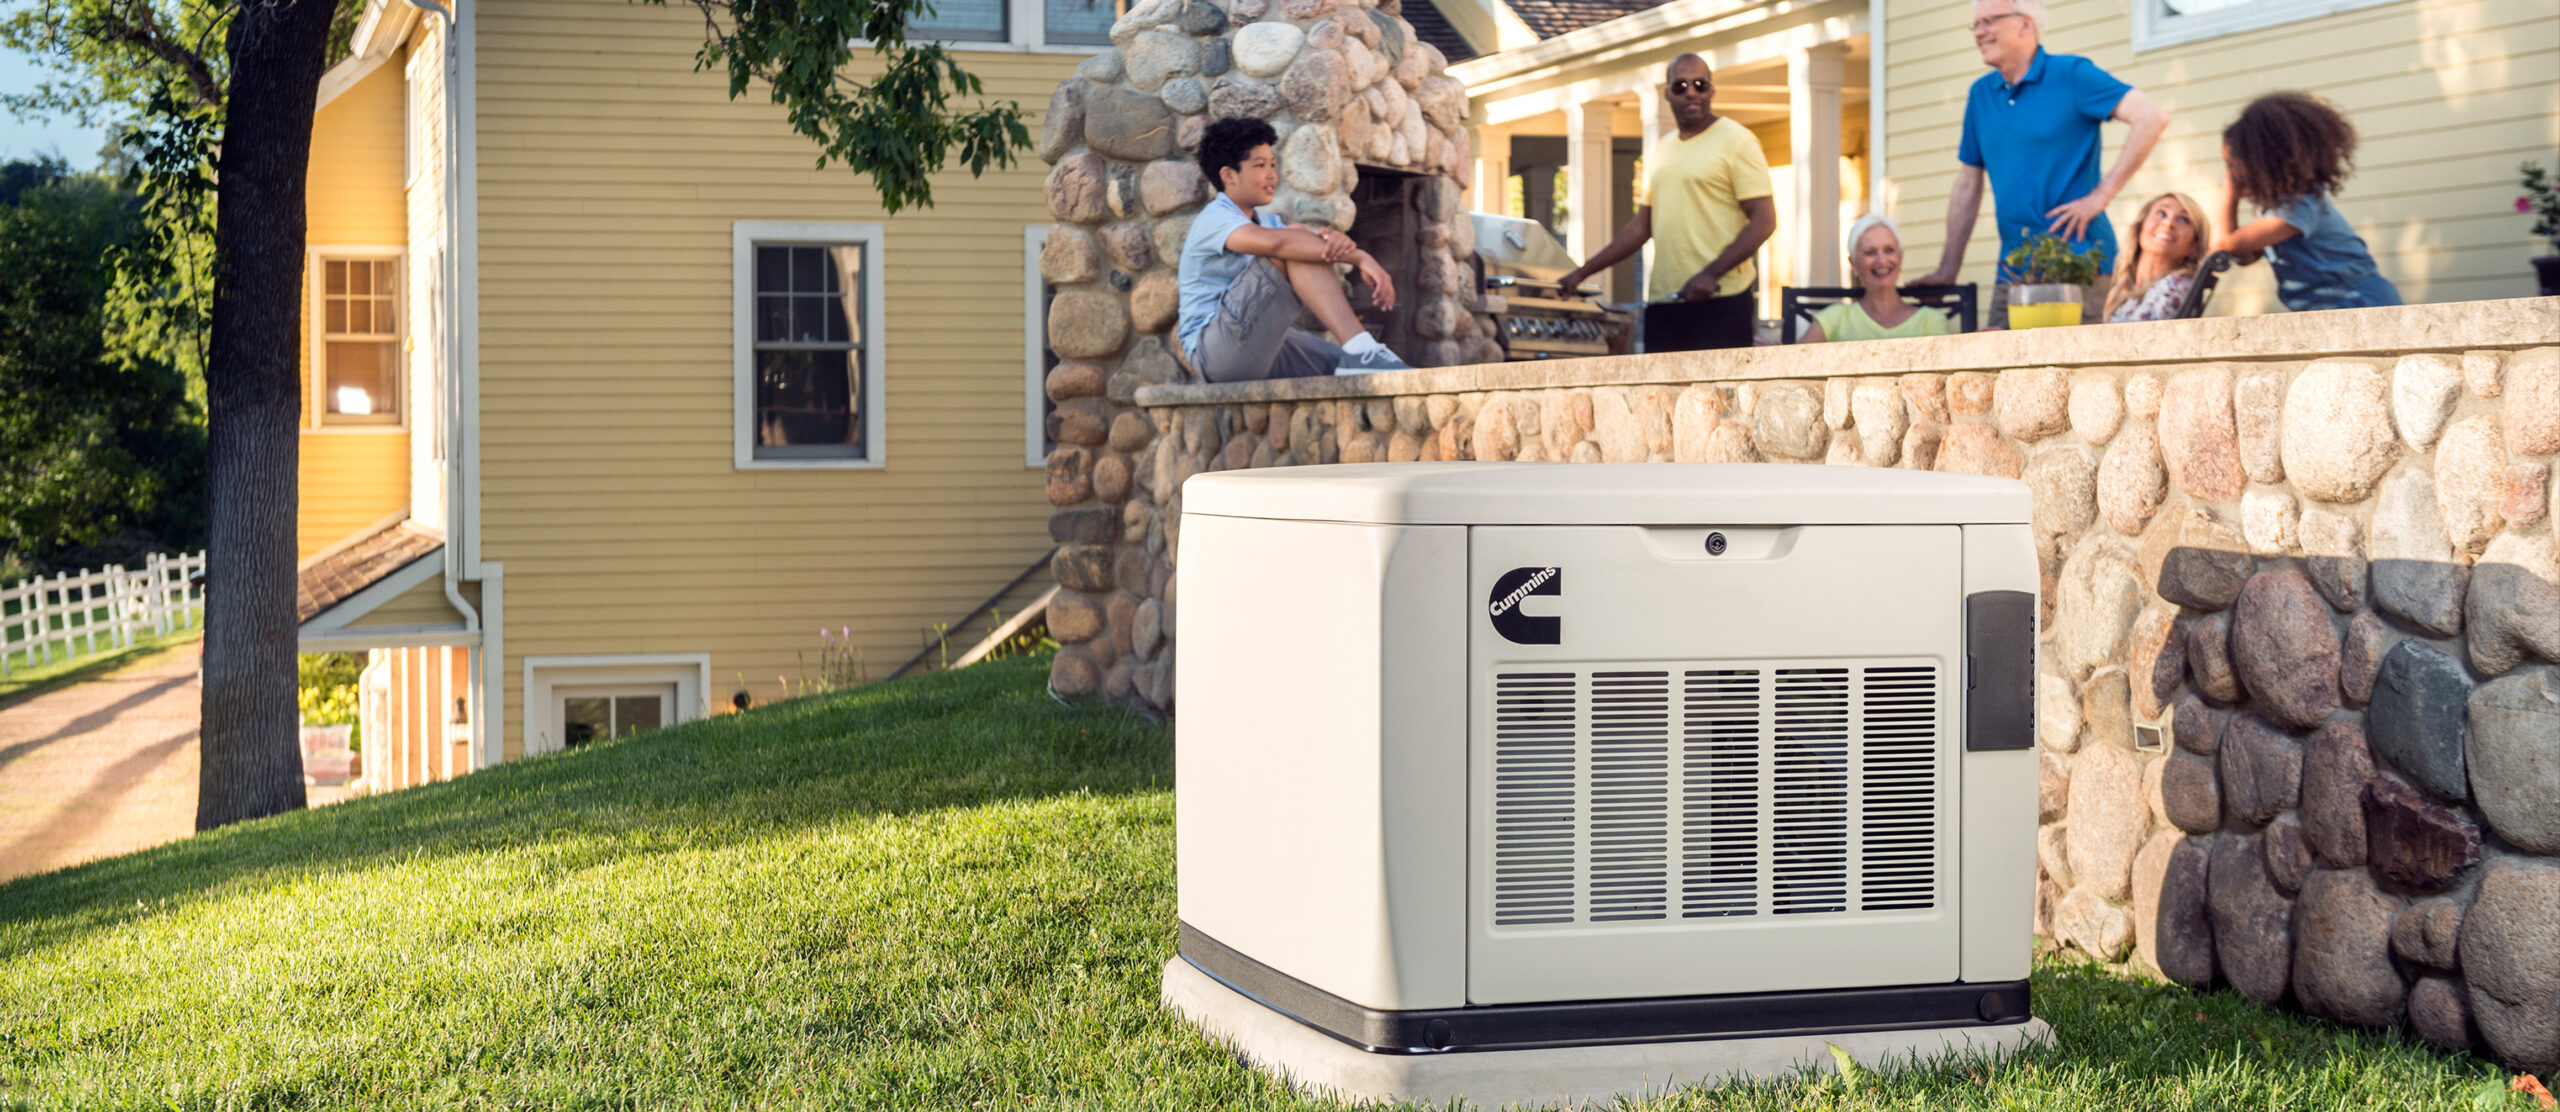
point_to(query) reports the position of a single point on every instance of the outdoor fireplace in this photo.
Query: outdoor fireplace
(1388, 224)
(1372, 140)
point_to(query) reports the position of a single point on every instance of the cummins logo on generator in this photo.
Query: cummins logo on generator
(1519, 628)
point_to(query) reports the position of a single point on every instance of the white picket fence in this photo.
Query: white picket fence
(77, 614)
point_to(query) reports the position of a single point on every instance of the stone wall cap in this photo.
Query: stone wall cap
(2390, 330)
(1606, 494)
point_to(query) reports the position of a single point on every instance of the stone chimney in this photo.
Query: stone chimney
(1373, 141)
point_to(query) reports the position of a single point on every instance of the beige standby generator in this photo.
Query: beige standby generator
(1520, 781)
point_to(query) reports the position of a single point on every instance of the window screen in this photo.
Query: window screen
(972, 20)
(1079, 21)
(809, 337)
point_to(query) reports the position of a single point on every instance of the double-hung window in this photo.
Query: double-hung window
(1019, 24)
(963, 21)
(355, 343)
(1078, 22)
(2159, 23)
(807, 344)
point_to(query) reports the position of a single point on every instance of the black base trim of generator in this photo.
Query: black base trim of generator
(1597, 1022)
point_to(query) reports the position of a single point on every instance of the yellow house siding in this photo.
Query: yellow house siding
(2448, 96)
(355, 163)
(422, 605)
(352, 478)
(349, 481)
(609, 176)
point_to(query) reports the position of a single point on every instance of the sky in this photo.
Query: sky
(29, 138)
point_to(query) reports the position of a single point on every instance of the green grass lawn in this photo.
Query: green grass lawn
(946, 892)
(28, 677)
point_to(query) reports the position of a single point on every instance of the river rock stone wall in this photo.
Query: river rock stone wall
(2298, 715)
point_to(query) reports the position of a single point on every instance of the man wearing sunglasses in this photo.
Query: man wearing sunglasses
(2031, 127)
(1710, 209)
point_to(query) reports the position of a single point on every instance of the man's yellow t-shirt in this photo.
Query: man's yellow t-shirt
(1697, 186)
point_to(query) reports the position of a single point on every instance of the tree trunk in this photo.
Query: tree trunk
(250, 754)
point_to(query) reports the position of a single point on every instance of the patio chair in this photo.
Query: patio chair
(2208, 272)
(1802, 302)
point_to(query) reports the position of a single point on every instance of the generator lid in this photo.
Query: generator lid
(1607, 494)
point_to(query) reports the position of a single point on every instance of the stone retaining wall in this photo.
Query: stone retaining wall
(2298, 719)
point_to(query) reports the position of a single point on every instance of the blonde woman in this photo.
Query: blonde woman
(2153, 276)
(1875, 256)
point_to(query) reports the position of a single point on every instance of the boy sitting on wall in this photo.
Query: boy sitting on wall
(1244, 276)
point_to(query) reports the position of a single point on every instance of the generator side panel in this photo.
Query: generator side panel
(1320, 752)
(1999, 785)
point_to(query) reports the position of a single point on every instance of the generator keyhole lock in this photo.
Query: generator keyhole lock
(1715, 544)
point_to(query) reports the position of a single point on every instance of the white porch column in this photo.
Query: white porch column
(1656, 121)
(1493, 164)
(1587, 181)
(1654, 117)
(1813, 134)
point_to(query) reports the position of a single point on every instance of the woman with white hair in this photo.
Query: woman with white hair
(1875, 256)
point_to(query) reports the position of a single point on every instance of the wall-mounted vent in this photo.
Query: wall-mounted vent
(1701, 790)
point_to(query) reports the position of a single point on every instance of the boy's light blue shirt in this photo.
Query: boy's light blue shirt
(1207, 268)
(2038, 141)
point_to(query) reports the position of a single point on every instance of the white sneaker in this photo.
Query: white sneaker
(1370, 362)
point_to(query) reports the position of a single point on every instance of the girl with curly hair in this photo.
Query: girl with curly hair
(2286, 154)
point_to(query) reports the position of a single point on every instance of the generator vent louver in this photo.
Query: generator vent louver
(1632, 795)
(1535, 725)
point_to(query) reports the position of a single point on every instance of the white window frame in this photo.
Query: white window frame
(2155, 27)
(744, 236)
(543, 675)
(315, 319)
(1035, 348)
(1026, 32)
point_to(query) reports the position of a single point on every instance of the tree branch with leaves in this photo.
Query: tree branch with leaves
(224, 145)
(899, 127)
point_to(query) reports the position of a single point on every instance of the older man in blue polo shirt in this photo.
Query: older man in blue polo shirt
(2031, 126)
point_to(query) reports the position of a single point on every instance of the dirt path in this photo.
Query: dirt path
(101, 767)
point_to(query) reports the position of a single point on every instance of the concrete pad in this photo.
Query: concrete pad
(1572, 1077)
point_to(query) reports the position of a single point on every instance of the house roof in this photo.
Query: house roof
(360, 563)
(1432, 27)
(1550, 18)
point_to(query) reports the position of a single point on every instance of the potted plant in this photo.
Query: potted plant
(2051, 280)
(2542, 199)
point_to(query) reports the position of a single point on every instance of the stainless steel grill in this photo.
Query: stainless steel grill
(1533, 319)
